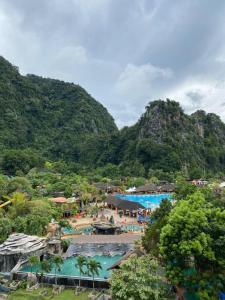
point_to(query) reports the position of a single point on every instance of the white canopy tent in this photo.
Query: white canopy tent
(131, 190)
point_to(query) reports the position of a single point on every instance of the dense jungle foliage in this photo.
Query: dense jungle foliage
(188, 237)
(44, 119)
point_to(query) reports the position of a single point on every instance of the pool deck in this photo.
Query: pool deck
(104, 239)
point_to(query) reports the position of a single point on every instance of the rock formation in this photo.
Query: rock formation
(19, 246)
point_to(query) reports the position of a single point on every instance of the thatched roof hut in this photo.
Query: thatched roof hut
(167, 188)
(147, 188)
(123, 204)
(106, 187)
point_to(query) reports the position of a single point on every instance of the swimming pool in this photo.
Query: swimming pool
(148, 201)
(83, 230)
(69, 269)
(132, 227)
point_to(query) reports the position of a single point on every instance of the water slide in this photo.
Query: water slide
(5, 204)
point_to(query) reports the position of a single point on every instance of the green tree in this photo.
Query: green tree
(85, 197)
(6, 226)
(57, 262)
(111, 220)
(20, 224)
(81, 263)
(36, 225)
(21, 161)
(184, 188)
(192, 245)
(138, 278)
(33, 261)
(19, 205)
(45, 267)
(63, 224)
(159, 218)
(93, 267)
(3, 186)
(20, 184)
(65, 244)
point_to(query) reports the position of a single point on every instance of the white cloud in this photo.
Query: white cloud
(104, 45)
(194, 94)
(136, 82)
(72, 55)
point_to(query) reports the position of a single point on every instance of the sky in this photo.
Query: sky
(125, 53)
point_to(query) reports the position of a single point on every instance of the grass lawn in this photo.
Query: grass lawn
(65, 295)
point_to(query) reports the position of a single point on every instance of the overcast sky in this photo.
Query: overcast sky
(125, 53)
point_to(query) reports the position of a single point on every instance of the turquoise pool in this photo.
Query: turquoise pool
(148, 201)
(83, 230)
(132, 227)
(68, 268)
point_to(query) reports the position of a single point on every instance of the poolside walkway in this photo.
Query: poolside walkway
(107, 213)
(127, 238)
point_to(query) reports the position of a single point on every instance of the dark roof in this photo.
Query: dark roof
(122, 259)
(168, 187)
(136, 252)
(123, 204)
(111, 200)
(151, 187)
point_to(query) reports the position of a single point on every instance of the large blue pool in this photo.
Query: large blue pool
(69, 268)
(148, 201)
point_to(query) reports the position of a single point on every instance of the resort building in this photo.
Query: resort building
(146, 189)
(123, 205)
(107, 188)
(166, 188)
(59, 200)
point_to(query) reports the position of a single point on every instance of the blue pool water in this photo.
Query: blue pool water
(84, 230)
(132, 227)
(148, 201)
(69, 267)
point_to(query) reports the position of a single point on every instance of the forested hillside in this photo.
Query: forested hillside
(45, 119)
(166, 138)
(50, 116)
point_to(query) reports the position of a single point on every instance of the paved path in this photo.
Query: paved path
(105, 212)
(104, 239)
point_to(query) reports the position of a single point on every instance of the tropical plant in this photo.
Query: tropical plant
(6, 225)
(139, 278)
(111, 220)
(33, 261)
(57, 261)
(63, 224)
(93, 268)
(45, 267)
(81, 263)
(192, 245)
(159, 218)
(65, 244)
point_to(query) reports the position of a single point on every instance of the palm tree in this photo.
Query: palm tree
(93, 269)
(63, 223)
(45, 267)
(57, 261)
(33, 261)
(81, 262)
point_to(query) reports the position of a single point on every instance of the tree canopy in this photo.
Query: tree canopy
(192, 244)
(138, 278)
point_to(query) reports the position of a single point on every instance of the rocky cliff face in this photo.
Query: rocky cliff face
(167, 138)
(167, 117)
(161, 117)
(19, 246)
